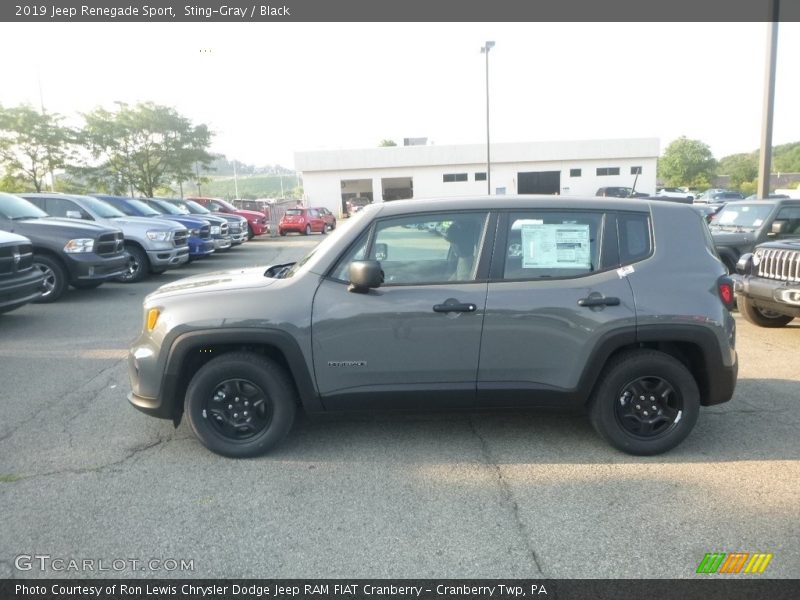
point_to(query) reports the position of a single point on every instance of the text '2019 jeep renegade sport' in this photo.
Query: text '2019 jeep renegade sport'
(457, 303)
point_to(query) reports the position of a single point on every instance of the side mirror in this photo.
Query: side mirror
(381, 252)
(364, 276)
(745, 264)
(779, 227)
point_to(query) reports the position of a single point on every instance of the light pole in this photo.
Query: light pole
(485, 50)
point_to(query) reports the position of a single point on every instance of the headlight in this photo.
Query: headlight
(159, 236)
(215, 230)
(79, 245)
(194, 232)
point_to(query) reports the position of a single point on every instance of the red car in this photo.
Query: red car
(257, 223)
(328, 217)
(302, 220)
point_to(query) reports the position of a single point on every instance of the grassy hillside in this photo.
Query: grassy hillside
(254, 186)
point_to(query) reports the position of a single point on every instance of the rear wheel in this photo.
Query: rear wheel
(307, 230)
(646, 403)
(762, 316)
(55, 278)
(240, 404)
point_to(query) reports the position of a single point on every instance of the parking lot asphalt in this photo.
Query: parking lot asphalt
(477, 495)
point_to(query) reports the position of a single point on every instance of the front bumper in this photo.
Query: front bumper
(200, 247)
(91, 267)
(770, 294)
(259, 228)
(20, 290)
(222, 243)
(168, 258)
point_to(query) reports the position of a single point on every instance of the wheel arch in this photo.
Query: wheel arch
(191, 350)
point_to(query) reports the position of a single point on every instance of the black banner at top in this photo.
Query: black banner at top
(397, 10)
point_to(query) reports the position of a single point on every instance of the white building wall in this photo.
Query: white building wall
(323, 172)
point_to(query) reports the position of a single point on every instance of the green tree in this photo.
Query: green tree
(386, 143)
(742, 168)
(687, 162)
(143, 147)
(32, 144)
(786, 158)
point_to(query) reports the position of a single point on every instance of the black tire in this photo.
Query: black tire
(139, 265)
(282, 232)
(214, 417)
(761, 316)
(324, 229)
(250, 234)
(55, 278)
(664, 413)
(86, 285)
(307, 230)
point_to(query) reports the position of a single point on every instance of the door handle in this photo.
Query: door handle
(454, 307)
(599, 301)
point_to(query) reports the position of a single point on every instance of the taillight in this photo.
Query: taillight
(725, 289)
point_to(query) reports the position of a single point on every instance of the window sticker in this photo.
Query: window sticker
(728, 217)
(758, 222)
(556, 246)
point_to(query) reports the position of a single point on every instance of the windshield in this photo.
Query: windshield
(165, 207)
(742, 216)
(102, 209)
(195, 208)
(227, 205)
(14, 207)
(142, 208)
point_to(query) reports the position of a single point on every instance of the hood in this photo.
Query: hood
(220, 281)
(189, 221)
(793, 244)
(54, 226)
(149, 222)
(250, 214)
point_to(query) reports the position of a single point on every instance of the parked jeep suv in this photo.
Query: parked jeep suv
(456, 303)
(739, 226)
(768, 285)
(65, 251)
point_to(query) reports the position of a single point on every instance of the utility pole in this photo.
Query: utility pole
(765, 156)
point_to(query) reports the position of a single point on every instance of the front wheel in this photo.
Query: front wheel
(762, 316)
(55, 278)
(646, 403)
(240, 404)
(307, 230)
(138, 265)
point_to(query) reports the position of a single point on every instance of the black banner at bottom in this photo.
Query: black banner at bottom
(728, 588)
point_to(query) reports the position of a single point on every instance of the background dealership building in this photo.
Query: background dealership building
(416, 170)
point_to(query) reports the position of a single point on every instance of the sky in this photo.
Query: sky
(268, 90)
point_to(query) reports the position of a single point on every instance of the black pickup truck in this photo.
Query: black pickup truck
(65, 251)
(20, 283)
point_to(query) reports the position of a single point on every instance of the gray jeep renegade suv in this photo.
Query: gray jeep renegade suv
(459, 303)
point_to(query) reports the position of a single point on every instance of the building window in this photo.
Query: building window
(451, 177)
(480, 176)
(607, 171)
(574, 172)
(636, 170)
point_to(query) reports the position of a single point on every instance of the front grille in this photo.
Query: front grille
(223, 229)
(180, 238)
(234, 228)
(205, 232)
(110, 244)
(16, 258)
(775, 263)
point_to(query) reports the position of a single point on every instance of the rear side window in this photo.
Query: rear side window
(635, 239)
(552, 244)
